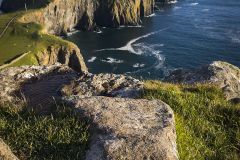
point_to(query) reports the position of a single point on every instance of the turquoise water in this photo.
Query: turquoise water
(187, 34)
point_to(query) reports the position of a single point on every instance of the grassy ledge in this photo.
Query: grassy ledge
(208, 127)
(60, 135)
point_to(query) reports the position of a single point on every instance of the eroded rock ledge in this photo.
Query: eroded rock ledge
(122, 128)
(222, 74)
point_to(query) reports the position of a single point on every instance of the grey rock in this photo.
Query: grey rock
(128, 129)
(37, 84)
(104, 85)
(221, 74)
(5, 152)
(43, 85)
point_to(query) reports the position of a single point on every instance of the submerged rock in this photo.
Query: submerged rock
(221, 74)
(128, 128)
(5, 152)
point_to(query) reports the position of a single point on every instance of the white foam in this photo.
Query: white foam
(236, 40)
(137, 26)
(194, 4)
(72, 32)
(92, 59)
(129, 46)
(151, 15)
(112, 60)
(172, 2)
(141, 49)
(98, 32)
(138, 65)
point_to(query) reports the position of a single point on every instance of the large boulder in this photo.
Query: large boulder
(128, 129)
(5, 152)
(221, 74)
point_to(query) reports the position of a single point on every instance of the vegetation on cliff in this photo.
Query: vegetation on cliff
(207, 125)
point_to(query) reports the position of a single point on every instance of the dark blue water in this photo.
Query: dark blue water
(187, 35)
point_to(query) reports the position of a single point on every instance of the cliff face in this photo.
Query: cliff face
(68, 55)
(61, 16)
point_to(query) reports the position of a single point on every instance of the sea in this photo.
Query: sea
(183, 35)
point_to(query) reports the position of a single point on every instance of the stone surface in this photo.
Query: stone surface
(130, 129)
(5, 152)
(42, 85)
(38, 84)
(221, 74)
(104, 85)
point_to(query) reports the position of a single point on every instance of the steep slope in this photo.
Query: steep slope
(61, 16)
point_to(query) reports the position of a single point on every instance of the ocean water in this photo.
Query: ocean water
(187, 34)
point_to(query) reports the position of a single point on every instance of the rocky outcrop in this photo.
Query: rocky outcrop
(131, 129)
(61, 16)
(5, 152)
(122, 128)
(42, 85)
(65, 54)
(104, 85)
(221, 74)
(14, 82)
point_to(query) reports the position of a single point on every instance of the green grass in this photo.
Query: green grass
(21, 38)
(208, 127)
(60, 135)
